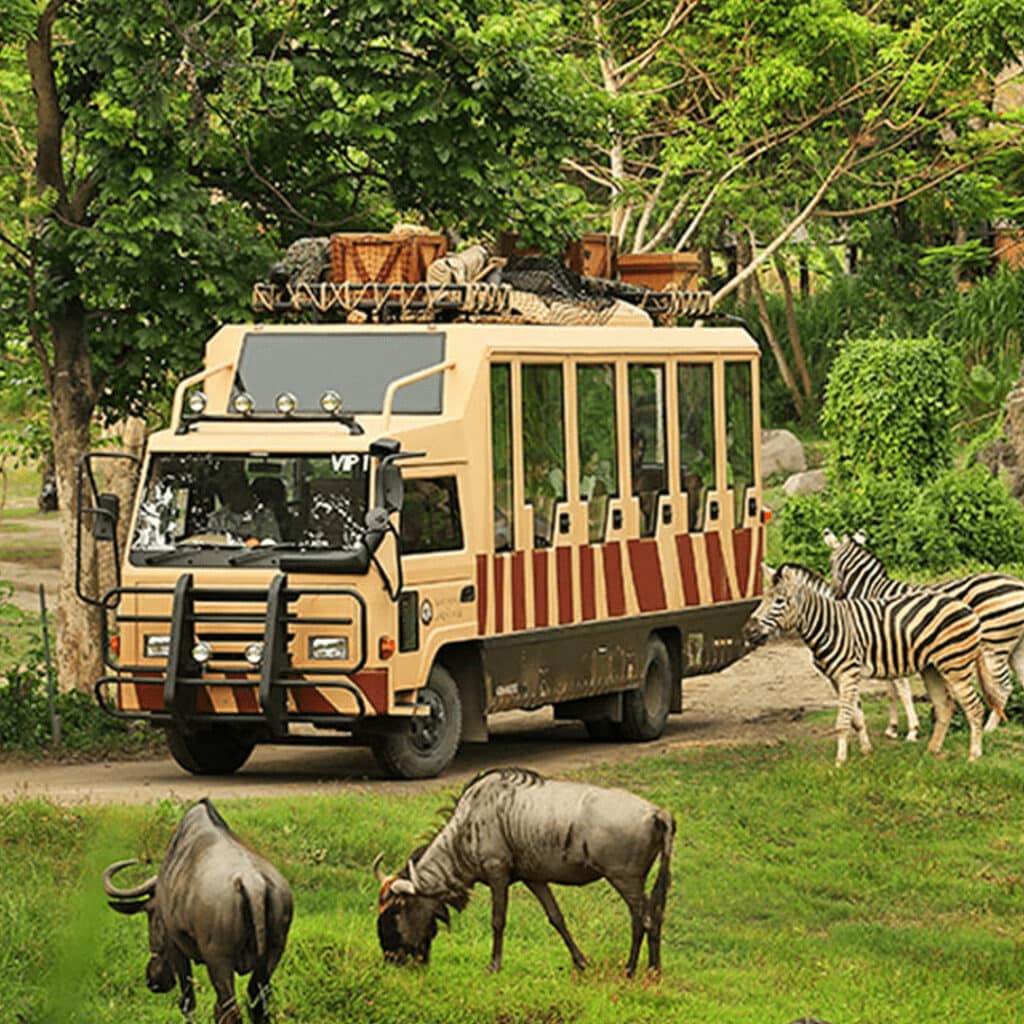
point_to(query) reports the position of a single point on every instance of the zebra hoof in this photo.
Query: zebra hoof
(892, 733)
(911, 736)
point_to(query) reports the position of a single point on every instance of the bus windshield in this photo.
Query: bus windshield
(219, 502)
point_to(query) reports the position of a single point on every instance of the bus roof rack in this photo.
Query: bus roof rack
(421, 302)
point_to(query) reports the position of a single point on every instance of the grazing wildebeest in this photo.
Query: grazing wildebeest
(213, 901)
(512, 825)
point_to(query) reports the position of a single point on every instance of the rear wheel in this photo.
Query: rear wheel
(216, 751)
(426, 746)
(645, 710)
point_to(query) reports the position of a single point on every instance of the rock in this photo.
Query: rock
(781, 452)
(809, 482)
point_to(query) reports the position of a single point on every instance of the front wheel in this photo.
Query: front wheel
(216, 751)
(426, 745)
(645, 710)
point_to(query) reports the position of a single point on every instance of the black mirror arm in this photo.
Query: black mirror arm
(393, 592)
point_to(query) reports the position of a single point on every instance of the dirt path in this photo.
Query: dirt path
(25, 577)
(761, 699)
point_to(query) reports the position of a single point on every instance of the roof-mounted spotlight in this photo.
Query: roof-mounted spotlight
(330, 402)
(197, 402)
(243, 403)
(285, 403)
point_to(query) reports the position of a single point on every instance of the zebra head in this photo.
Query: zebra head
(855, 571)
(775, 613)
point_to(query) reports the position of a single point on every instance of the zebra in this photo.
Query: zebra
(852, 639)
(996, 598)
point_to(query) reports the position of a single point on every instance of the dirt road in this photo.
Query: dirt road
(760, 699)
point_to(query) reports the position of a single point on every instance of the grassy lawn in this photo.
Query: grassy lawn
(892, 890)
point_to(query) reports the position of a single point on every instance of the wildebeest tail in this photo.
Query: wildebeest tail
(989, 685)
(255, 909)
(667, 825)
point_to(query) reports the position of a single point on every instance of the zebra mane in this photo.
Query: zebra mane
(807, 576)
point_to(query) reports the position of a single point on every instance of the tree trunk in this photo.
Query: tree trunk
(777, 350)
(792, 329)
(72, 400)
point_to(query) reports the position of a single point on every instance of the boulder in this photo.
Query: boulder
(781, 452)
(809, 482)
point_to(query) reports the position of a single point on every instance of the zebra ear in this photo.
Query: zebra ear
(769, 573)
(830, 538)
(861, 537)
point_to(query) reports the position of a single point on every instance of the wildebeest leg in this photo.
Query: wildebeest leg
(259, 996)
(499, 909)
(187, 1003)
(225, 1010)
(632, 891)
(547, 900)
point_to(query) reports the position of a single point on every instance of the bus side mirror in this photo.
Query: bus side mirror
(108, 507)
(390, 488)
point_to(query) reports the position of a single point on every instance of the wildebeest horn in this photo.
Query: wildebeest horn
(381, 877)
(146, 888)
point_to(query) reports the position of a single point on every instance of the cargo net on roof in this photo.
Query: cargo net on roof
(472, 283)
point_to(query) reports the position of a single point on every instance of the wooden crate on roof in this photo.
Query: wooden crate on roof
(661, 271)
(395, 259)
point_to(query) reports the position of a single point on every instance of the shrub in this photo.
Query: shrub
(889, 408)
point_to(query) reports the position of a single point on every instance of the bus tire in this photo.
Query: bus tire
(425, 746)
(216, 751)
(645, 709)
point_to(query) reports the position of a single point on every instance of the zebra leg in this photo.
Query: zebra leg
(847, 685)
(906, 696)
(962, 687)
(892, 730)
(942, 704)
(860, 726)
(999, 665)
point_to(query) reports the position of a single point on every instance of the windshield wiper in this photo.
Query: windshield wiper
(261, 551)
(158, 557)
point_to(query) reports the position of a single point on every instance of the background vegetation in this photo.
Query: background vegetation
(889, 891)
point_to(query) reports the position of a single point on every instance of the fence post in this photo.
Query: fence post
(51, 689)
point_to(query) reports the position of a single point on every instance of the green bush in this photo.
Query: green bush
(960, 519)
(25, 721)
(889, 408)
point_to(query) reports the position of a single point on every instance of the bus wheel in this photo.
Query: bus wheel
(426, 746)
(645, 710)
(216, 751)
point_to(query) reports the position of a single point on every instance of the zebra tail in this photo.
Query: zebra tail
(989, 685)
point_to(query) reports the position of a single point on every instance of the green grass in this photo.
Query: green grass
(891, 890)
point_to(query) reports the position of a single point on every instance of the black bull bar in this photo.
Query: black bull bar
(273, 616)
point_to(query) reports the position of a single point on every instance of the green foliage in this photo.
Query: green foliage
(889, 409)
(787, 900)
(961, 520)
(25, 719)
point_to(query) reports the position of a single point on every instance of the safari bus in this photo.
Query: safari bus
(383, 532)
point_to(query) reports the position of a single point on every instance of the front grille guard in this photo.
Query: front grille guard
(183, 676)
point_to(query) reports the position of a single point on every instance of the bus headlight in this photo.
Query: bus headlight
(328, 648)
(330, 402)
(157, 646)
(197, 402)
(244, 403)
(285, 403)
(254, 653)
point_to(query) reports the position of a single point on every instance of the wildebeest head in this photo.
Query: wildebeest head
(142, 898)
(406, 921)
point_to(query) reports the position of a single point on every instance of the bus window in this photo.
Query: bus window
(430, 516)
(647, 440)
(696, 437)
(543, 446)
(739, 431)
(599, 468)
(501, 454)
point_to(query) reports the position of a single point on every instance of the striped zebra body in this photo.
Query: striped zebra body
(854, 639)
(996, 598)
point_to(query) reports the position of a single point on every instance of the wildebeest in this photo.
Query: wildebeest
(512, 825)
(213, 901)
